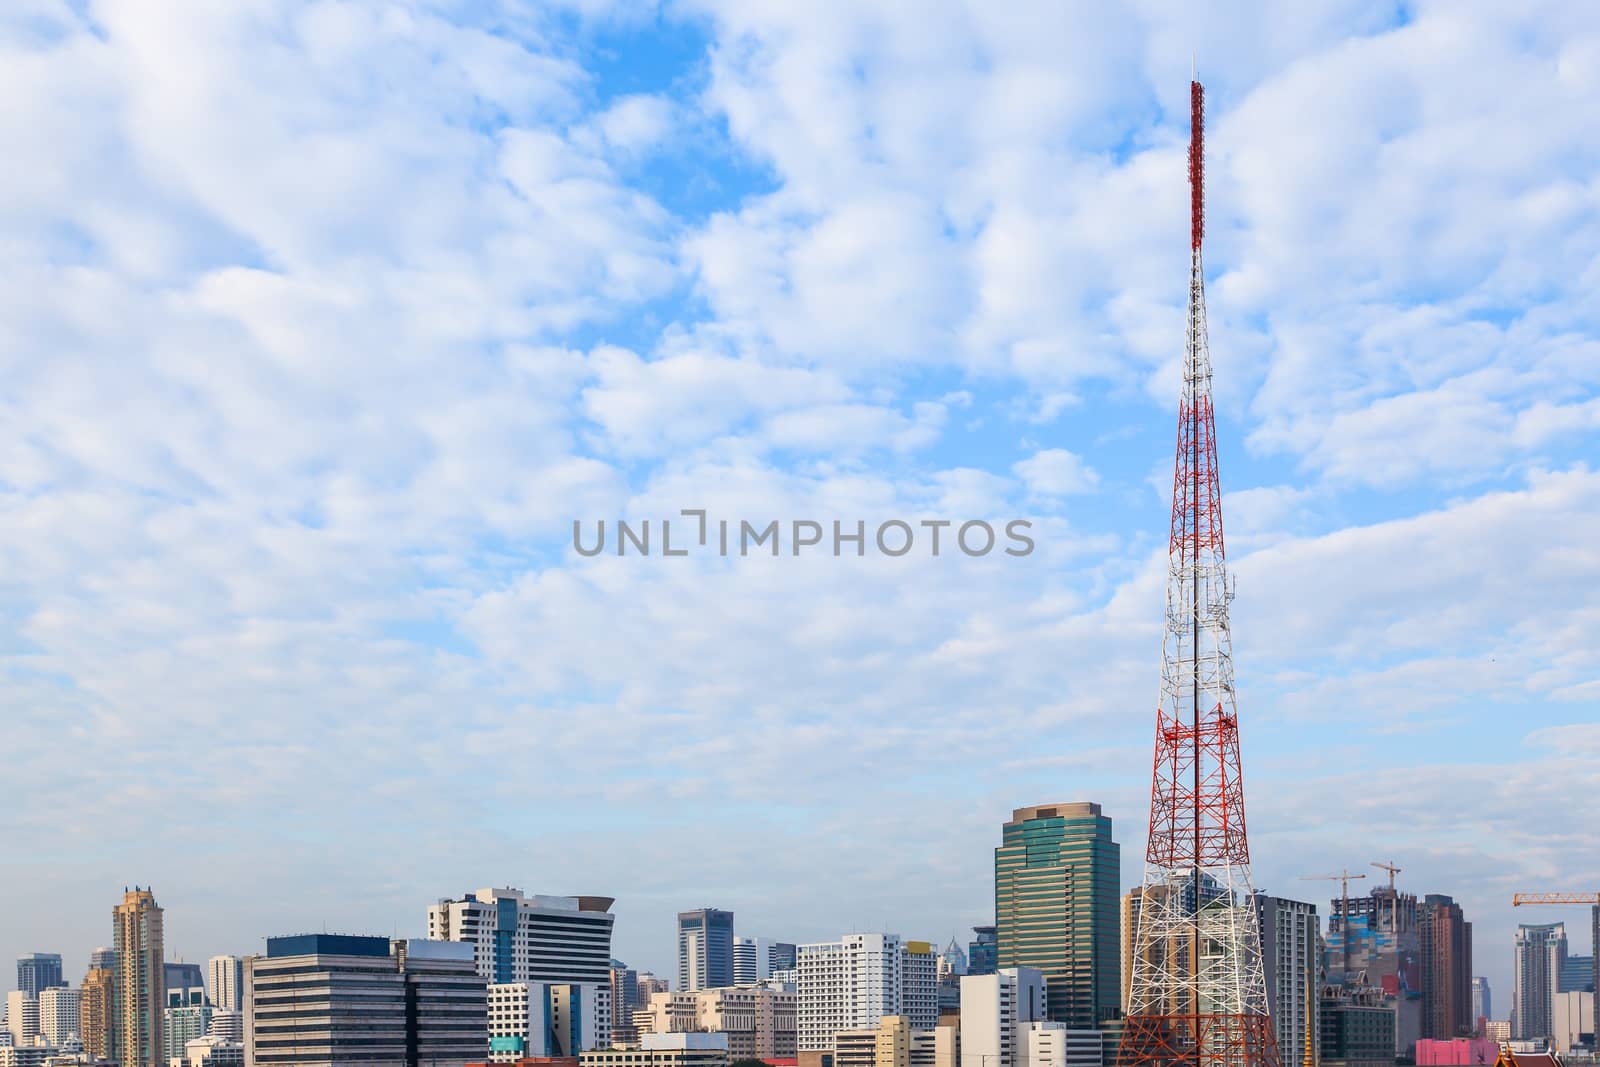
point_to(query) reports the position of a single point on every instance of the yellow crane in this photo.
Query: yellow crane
(1519, 899)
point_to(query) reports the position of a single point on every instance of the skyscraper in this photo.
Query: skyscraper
(518, 938)
(1290, 935)
(1482, 1000)
(705, 949)
(187, 1015)
(1057, 880)
(1536, 968)
(224, 974)
(141, 979)
(38, 971)
(1446, 948)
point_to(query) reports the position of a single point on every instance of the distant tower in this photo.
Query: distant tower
(705, 949)
(141, 980)
(1198, 994)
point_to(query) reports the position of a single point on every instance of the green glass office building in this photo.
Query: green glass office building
(1057, 883)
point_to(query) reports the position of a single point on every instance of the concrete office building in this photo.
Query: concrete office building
(705, 949)
(517, 938)
(996, 1010)
(664, 1050)
(97, 1007)
(1572, 1021)
(140, 993)
(39, 971)
(886, 1045)
(60, 1016)
(224, 976)
(1058, 875)
(851, 983)
(936, 1047)
(22, 1018)
(759, 1021)
(320, 1000)
(1540, 952)
(752, 960)
(1290, 956)
(546, 1019)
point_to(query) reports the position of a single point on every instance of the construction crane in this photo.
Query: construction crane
(1520, 899)
(1344, 878)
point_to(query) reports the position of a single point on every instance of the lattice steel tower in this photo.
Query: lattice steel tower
(1197, 994)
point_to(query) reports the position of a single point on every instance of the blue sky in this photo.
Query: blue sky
(324, 321)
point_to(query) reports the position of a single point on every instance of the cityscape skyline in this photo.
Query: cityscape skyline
(310, 378)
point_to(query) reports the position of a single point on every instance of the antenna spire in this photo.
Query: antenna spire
(1197, 165)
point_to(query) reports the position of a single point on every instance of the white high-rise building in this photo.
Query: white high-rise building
(996, 1011)
(1053, 1045)
(852, 983)
(58, 1014)
(517, 938)
(223, 977)
(22, 1018)
(752, 960)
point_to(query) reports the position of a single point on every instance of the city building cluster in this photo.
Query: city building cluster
(527, 980)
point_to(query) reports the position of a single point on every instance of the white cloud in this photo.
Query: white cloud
(1056, 472)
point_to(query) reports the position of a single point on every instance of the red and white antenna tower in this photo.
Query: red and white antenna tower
(1198, 994)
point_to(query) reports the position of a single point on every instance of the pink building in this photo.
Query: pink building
(1456, 1052)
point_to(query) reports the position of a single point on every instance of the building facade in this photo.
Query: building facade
(1290, 956)
(517, 938)
(39, 971)
(1058, 876)
(1539, 954)
(22, 1018)
(705, 949)
(187, 1016)
(996, 1011)
(224, 976)
(1446, 958)
(759, 1022)
(546, 1019)
(664, 1050)
(60, 1015)
(851, 983)
(140, 989)
(320, 1000)
(1357, 1035)
(97, 1009)
(1482, 999)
